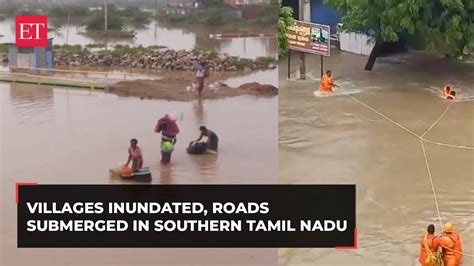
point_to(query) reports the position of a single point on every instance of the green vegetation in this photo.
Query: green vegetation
(285, 20)
(95, 45)
(118, 22)
(121, 50)
(115, 26)
(97, 23)
(444, 25)
(3, 48)
(62, 11)
(225, 16)
(134, 16)
(73, 49)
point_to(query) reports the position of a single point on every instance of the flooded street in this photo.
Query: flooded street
(69, 136)
(157, 33)
(93, 130)
(337, 140)
(56, 135)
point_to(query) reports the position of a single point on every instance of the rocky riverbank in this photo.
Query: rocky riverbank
(180, 89)
(154, 58)
(157, 59)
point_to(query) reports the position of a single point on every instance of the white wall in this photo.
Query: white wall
(356, 43)
(26, 60)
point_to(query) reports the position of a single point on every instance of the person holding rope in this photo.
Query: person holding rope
(429, 255)
(327, 83)
(451, 246)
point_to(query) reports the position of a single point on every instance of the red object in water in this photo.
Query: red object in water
(126, 171)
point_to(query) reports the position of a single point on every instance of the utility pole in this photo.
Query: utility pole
(301, 5)
(156, 8)
(105, 14)
(67, 29)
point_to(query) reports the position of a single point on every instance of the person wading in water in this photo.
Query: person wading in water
(451, 246)
(429, 255)
(134, 155)
(169, 129)
(327, 83)
(212, 139)
(201, 74)
(448, 92)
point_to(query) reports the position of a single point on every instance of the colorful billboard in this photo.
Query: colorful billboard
(310, 38)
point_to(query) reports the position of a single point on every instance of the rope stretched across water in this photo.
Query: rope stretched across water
(422, 139)
(410, 131)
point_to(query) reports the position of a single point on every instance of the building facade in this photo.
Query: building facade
(30, 57)
(314, 11)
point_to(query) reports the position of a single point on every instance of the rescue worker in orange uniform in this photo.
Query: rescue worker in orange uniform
(451, 246)
(327, 83)
(448, 92)
(451, 96)
(429, 248)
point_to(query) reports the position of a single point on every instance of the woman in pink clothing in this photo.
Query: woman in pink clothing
(169, 129)
(134, 155)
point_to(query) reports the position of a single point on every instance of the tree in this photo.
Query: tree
(96, 22)
(445, 25)
(451, 28)
(285, 20)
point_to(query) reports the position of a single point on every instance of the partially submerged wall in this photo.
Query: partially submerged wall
(357, 43)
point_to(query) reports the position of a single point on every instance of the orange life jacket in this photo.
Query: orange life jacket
(326, 84)
(454, 248)
(433, 245)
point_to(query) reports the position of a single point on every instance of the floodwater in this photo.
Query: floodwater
(336, 140)
(157, 33)
(70, 136)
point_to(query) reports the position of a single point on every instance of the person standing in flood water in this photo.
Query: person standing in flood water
(212, 139)
(451, 245)
(327, 83)
(134, 155)
(429, 255)
(201, 74)
(169, 130)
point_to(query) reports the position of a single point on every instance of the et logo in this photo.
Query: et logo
(31, 31)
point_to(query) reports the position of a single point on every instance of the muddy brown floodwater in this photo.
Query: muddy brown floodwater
(336, 140)
(158, 33)
(68, 136)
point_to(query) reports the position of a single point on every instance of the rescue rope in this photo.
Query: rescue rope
(384, 116)
(411, 132)
(431, 178)
(436, 122)
(441, 143)
(431, 182)
(449, 145)
(422, 139)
